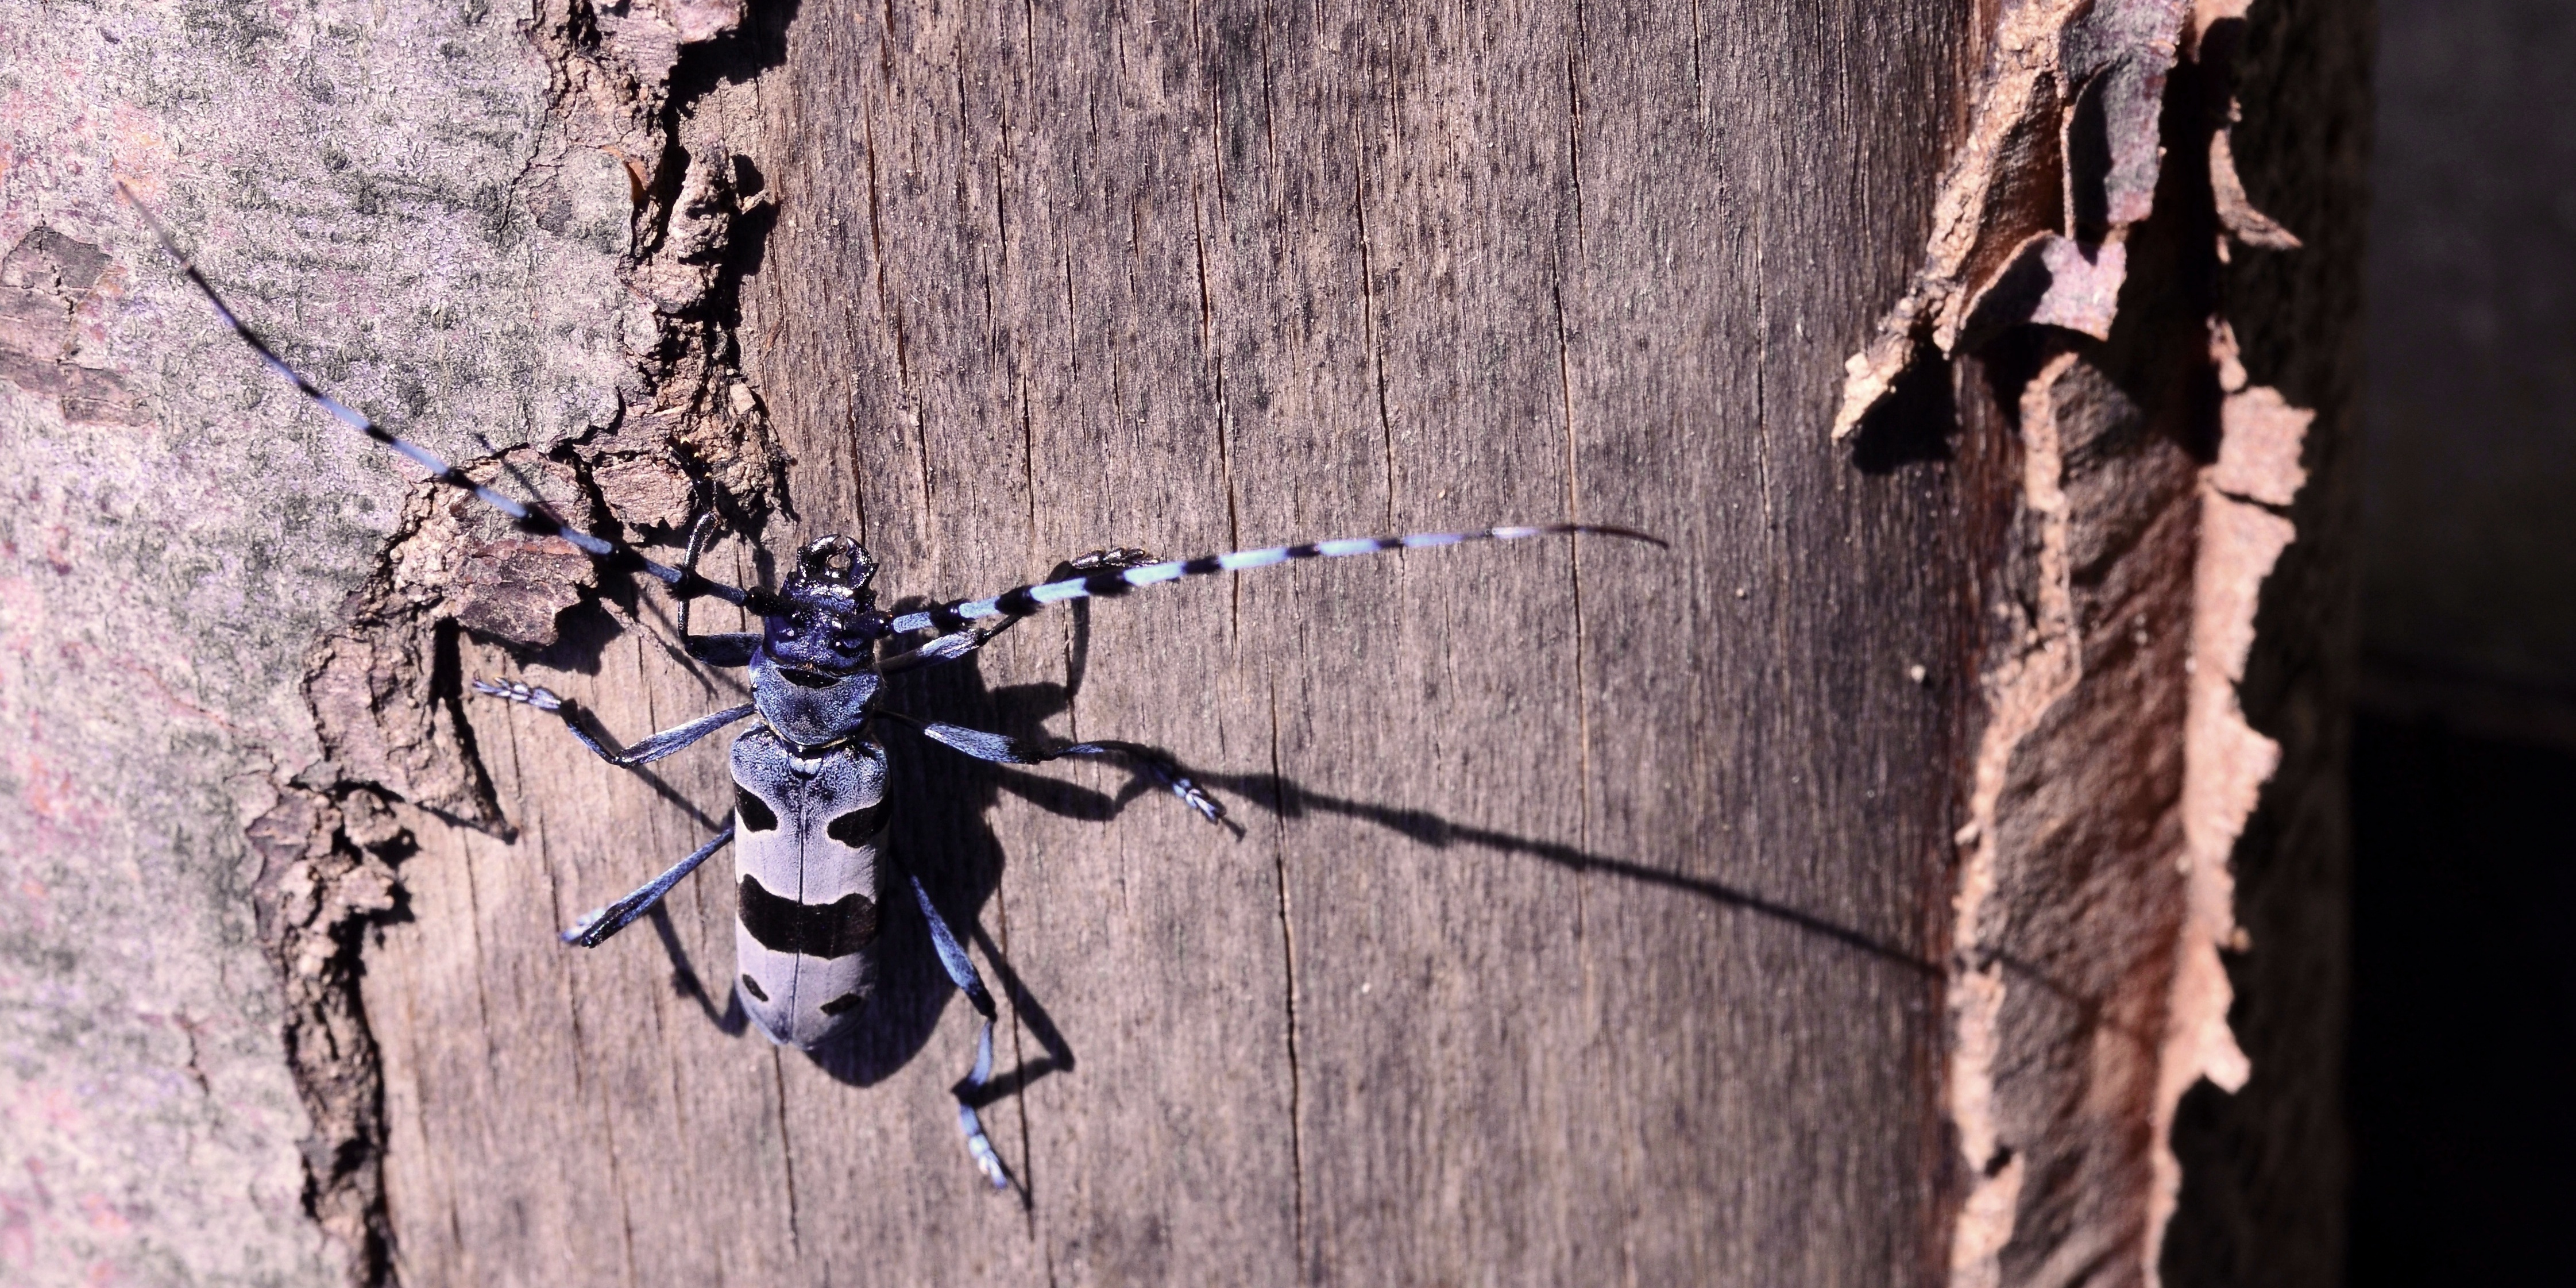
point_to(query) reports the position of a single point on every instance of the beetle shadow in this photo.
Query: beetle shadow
(938, 833)
(1279, 796)
(948, 796)
(729, 1019)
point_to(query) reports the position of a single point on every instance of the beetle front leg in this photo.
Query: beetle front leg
(724, 649)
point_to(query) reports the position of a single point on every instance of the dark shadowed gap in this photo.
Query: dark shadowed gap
(2464, 1008)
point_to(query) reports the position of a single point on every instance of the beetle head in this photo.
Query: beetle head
(828, 620)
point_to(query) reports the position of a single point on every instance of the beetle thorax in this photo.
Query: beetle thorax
(810, 709)
(811, 678)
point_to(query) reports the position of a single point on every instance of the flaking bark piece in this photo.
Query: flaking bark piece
(2066, 142)
(463, 560)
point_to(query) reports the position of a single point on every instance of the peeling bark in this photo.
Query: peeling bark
(2116, 770)
(2062, 158)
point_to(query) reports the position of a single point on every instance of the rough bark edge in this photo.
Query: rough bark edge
(1994, 268)
(2059, 162)
(2038, 670)
(2243, 532)
(2264, 1168)
(382, 689)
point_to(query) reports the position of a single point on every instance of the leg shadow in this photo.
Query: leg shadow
(1287, 799)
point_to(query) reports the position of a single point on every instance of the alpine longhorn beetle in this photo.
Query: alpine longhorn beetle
(810, 803)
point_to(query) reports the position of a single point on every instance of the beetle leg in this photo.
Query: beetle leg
(593, 930)
(1002, 749)
(642, 753)
(732, 649)
(961, 972)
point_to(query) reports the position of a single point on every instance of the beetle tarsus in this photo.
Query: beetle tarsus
(543, 699)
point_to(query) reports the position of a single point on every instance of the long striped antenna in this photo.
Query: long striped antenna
(1024, 600)
(613, 555)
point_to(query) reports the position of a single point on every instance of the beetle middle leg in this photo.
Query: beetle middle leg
(1003, 749)
(643, 753)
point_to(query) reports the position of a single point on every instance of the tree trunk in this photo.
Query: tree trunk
(1848, 893)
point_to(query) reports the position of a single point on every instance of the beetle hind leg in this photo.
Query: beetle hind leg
(961, 972)
(593, 930)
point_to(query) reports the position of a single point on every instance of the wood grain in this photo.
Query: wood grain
(1581, 928)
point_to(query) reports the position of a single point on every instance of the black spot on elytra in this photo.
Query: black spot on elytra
(846, 1001)
(752, 986)
(756, 816)
(859, 826)
(825, 930)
